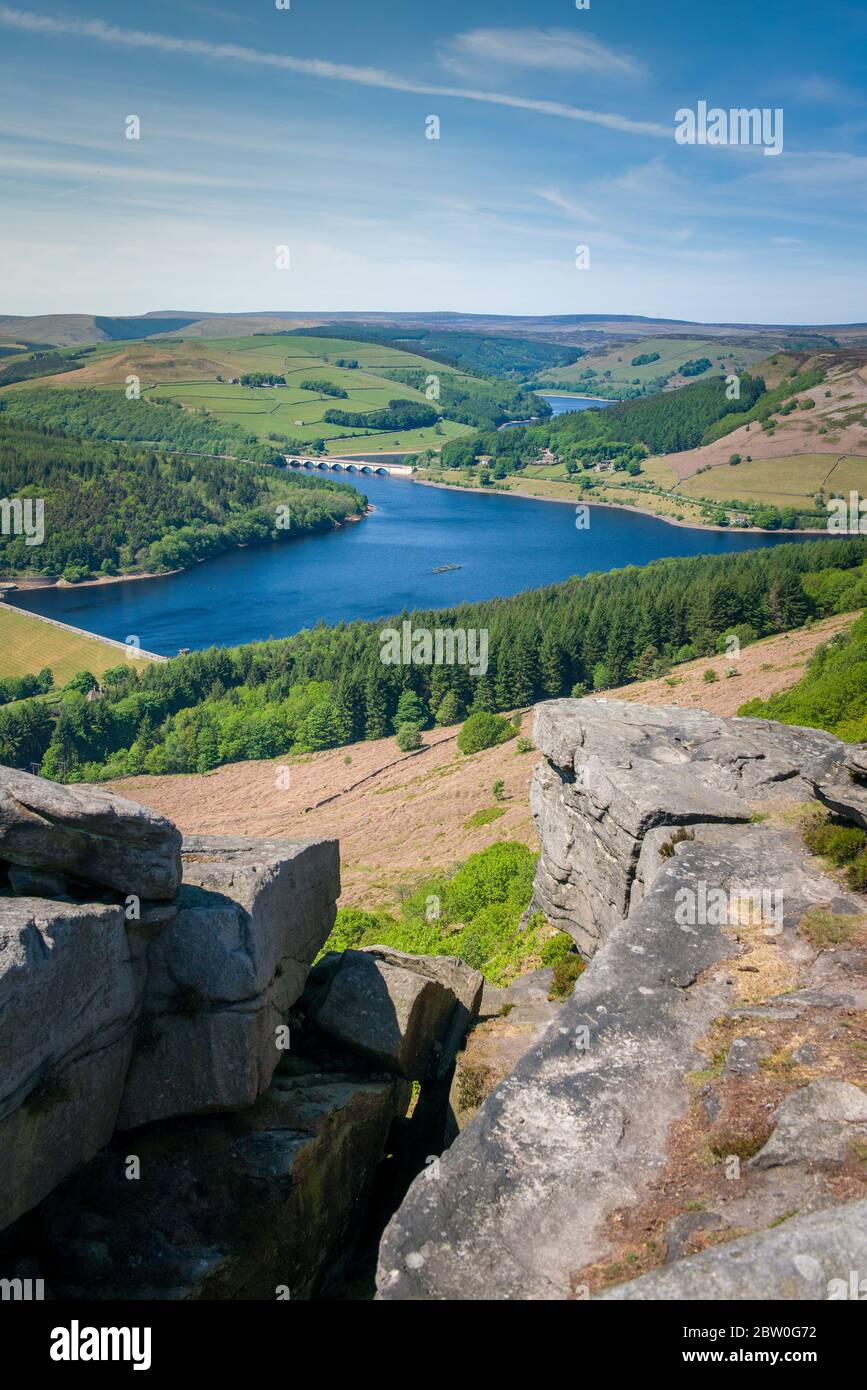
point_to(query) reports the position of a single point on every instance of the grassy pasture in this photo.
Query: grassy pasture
(848, 474)
(186, 371)
(27, 644)
(673, 352)
(780, 482)
(407, 440)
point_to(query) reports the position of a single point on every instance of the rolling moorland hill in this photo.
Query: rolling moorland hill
(696, 455)
(584, 329)
(298, 393)
(651, 364)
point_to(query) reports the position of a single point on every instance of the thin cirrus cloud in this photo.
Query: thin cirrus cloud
(97, 29)
(555, 50)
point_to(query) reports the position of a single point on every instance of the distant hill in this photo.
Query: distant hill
(74, 330)
(583, 330)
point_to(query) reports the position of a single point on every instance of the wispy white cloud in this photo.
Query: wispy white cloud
(52, 26)
(559, 200)
(826, 91)
(554, 50)
(35, 165)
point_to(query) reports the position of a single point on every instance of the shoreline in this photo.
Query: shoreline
(622, 507)
(44, 581)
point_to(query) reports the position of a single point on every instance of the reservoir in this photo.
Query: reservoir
(378, 567)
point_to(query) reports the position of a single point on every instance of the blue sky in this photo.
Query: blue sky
(263, 127)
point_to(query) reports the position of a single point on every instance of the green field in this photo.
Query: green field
(673, 353)
(27, 644)
(188, 372)
(781, 482)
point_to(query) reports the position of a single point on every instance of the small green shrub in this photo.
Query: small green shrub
(566, 972)
(479, 916)
(475, 1083)
(524, 745)
(557, 948)
(709, 676)
(857, 872)
(839, 843)
(409, 738)
(484, 817)
(483, 730)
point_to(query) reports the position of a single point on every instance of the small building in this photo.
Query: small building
(96, 692)
(606, 466)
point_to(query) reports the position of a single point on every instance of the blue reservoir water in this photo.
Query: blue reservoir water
(378, 567)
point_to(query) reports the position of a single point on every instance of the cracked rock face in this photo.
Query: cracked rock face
(619, 780)
(405, 1013)
(222, 976)
(69, 994)
(641, 812)
(90, 833)
(115, 1020)
(258, 1205)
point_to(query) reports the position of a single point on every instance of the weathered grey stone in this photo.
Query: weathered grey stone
(69, 995)
(845, 789)
(37, 883)
(258, 1205)
(619, 780)
(818, 1123)
(808, 1257)
(467, 986)
(223, 974)
(575, 1131)
(582, 1127)
(405, 1013)
(88, 832)
(746, 1055)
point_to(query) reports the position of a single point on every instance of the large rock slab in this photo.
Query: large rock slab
(576, 1129)
(806, 1258)
(259, 1205)
(844, 790)
(618, 780)
(404, 1013)
(90, 833)
(69, 996)
(222, 976)
(525, 1200)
